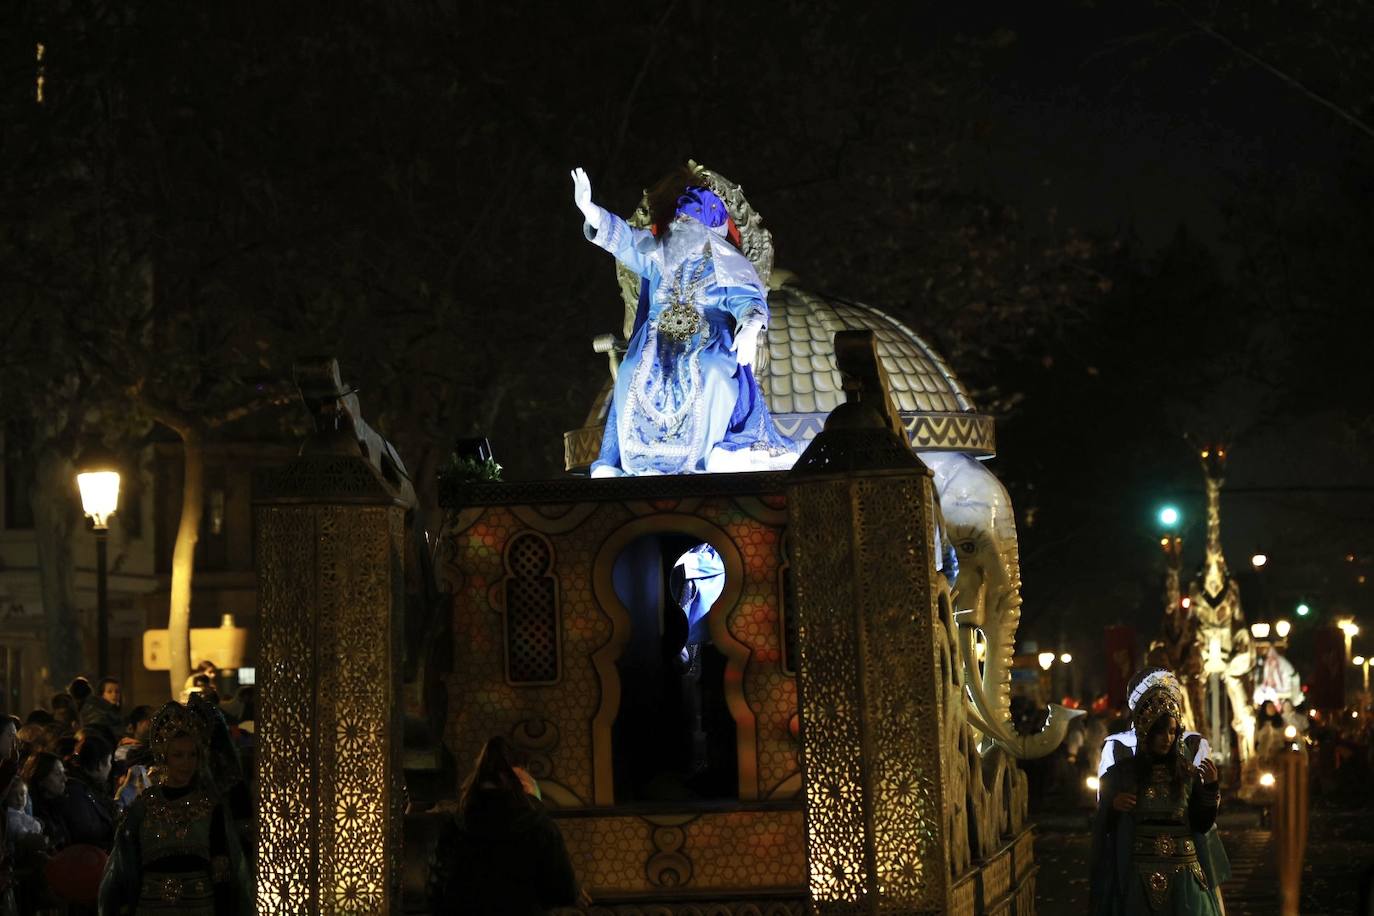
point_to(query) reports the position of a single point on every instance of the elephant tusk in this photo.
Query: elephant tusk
(1022, 747)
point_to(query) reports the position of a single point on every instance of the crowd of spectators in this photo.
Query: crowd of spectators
(67, 772)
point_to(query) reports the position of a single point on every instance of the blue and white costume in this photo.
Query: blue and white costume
(681, 399)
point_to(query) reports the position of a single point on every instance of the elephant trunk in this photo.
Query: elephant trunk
(977, 509)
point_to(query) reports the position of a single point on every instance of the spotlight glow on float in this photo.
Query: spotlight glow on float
(1290, 732)
(1267, 780)
(1093, 783)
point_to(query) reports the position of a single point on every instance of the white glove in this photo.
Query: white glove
(582, 195)
(746, 342)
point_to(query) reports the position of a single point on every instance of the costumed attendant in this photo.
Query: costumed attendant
(1153, 812)
(177, 850)
(686, 400)
(1122, 746)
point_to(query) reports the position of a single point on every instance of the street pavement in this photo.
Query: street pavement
(1340, 849)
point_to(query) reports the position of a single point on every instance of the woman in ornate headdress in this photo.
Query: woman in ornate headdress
(1152, 813)
(177, 849)
(685, 398)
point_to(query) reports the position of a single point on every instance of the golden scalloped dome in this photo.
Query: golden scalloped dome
(802, 385)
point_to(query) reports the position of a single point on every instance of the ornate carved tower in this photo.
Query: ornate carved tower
(872, 674)
(331, 593)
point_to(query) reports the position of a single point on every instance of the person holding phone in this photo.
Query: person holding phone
(1153, 815)
(502, 855)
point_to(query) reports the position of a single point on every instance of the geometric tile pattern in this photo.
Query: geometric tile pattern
(623, 855)
(330, 795)
(871, 698)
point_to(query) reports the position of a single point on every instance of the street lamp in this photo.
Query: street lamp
(1046, 659)
(1169, 517)
(1258, 560)
(1303, 610)
(1282, 629)
(98, 481)
(1066, 658)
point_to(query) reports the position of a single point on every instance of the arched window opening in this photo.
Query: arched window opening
(532, 628)
(674, 737)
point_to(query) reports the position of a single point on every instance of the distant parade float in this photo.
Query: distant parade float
(771, 692)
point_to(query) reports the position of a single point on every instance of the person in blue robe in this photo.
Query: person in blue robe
(686, 399)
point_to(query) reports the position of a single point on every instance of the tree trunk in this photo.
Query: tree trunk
(183, 557)
(55, 512)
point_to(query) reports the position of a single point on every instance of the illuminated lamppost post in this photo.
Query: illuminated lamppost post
(1258, 562)
(1351, 630)
(1363, 664)
(1046, 660)
(98, 481)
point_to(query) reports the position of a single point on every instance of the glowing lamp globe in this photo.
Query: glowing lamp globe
(1259, 630)
(1046, 659)
(99, 494)
(1357, 661)
(1290, 732)
(1066, 658)
(1168, 516)
(1267, 780)
(1258, 560)
(1303, 610)
(1282, 628)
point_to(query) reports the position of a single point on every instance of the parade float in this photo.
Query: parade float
(765, 671)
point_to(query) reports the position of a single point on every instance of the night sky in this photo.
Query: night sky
(1117, 229)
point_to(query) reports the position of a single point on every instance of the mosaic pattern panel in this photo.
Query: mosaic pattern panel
(482, 702)
(330, 793)
(719, 852)
(870, 695)
(287, 808)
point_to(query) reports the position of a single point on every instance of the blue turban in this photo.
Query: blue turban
(703, 206)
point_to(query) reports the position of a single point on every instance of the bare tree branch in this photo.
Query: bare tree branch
(1350, 118)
